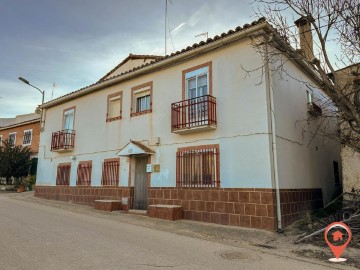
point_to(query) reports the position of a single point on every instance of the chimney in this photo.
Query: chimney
(306, 39)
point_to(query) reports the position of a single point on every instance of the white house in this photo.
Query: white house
(195, 129)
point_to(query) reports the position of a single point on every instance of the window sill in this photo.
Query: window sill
(113, 119)
(141, 113)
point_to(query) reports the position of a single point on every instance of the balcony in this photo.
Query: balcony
(193, 115)
(314, 109)
(63, 140)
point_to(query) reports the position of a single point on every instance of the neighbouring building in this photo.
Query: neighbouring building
(349, 79)
(22, 130)
(196, 128)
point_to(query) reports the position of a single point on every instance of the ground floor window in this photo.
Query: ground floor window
(110, 172)
(63, 174)
(84, 173)
(198, 166)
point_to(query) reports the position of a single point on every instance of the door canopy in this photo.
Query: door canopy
(135, 148)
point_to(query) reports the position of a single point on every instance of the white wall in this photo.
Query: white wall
(242, 131)
(305, 160)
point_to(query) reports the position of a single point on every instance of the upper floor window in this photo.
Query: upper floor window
(141, 97)
(27, 137)
(197, 81)
(12, 139)
(1, 140)
(114, 109)
(68, 119)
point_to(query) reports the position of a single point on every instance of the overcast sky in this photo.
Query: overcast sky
(73, 43)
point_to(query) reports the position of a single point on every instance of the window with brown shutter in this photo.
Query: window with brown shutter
(198, 166)
(84, 173)
(63, 174)
(110, 172)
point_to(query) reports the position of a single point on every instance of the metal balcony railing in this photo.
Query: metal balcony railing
(63, 140)
(193, 113)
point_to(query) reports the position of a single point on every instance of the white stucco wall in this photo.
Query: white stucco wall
(304, 160)
(351, 169)
(242, 131)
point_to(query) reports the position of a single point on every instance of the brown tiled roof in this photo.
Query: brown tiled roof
(131, 56)
(143, 147)
(187, 49)
(20, 123)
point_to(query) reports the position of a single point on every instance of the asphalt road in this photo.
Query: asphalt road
(34, 236)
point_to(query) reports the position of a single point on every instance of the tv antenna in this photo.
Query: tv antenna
(166, 2)
(52, 91)
(203, 34)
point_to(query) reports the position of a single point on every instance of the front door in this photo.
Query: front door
(140, 185)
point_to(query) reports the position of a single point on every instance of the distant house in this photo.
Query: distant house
(22, 130)
(194, 129)
(349, 80)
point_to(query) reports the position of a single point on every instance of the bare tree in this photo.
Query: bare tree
(333, 23)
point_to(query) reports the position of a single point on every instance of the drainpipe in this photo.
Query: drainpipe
(269, 89)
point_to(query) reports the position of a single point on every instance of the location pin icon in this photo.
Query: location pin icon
(337, 249)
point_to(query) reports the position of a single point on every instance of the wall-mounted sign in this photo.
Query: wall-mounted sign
(148, 168)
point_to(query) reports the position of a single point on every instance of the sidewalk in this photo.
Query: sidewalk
(252, 239)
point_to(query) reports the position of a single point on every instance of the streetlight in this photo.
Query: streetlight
(42, 102)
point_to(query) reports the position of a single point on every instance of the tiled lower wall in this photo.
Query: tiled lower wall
(245, 207)
(83, 195)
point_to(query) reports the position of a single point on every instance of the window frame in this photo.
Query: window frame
(111, 97)
(63, 182)
(139, 91)
(64, 113)
(84, 178)
(199, 154)
(1, 140)
(11, 133)
(31, 133)
(110, 182)
(197, 71)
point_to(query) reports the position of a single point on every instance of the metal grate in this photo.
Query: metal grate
(198, 167)
(63, 139)
(63, 174)
(84, 173)
(110, 173)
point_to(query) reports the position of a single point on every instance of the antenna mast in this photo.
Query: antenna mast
(203, 34)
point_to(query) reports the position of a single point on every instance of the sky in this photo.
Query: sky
(73, 43)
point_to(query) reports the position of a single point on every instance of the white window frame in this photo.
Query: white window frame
(146, 91)
(67, 112)
(14, 139)
(195, 74)
(31, 133)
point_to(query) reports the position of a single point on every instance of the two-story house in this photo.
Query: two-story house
(22, 130)
(196, 129)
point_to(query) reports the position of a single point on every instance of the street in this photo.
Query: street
(35, 236)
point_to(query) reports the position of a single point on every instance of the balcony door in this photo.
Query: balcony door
(197, 83)
(68, 126)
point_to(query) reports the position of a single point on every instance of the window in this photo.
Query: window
(198, 166)
(27, 137)
(110, 172)
(114, 109)
(197, 81)
(1, 140)
(336, 172)
(12, 139)
(141, 99)
(68, 119)
(309, 94)
(63, 174)
(84, 173)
